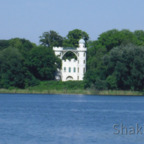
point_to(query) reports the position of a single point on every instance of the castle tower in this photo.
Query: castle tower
(81, 59)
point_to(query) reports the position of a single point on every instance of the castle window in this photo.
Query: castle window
(78, 70)
(83, 70)
(69, 69)
(84, 54)
(64, 69)
(84, 61)
(74, 69)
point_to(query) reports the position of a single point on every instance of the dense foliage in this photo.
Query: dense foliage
(114, 61)
(24, 64)
(74, 36)
(125, 67)
(13, 72)
(50, 39)
(41, 63)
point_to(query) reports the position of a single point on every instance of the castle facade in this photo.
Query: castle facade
(72, 69)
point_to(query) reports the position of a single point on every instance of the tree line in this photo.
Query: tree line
(114, 61)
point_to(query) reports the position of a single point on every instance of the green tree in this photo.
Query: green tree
(140, 37)
(113, 38)
(13, 72)
(50, 39)
(4, 44)
(43, 63)
(126, 64)
(22, 45)
(102, 57)
(111, 82)
(74, 36)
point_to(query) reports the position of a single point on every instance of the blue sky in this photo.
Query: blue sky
(30, 18)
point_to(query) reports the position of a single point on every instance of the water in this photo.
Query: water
(69, 119)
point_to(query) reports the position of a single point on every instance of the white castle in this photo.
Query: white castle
(72, 69)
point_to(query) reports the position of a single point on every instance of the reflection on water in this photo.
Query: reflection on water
(68, 119)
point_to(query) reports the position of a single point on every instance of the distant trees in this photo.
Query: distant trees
(13, 72)
(73, 37)
(50, 39)
(24, 64)
(115, 61)
(22, 45)
(43, 63)
(140, 37)
(4, 44)
(125, 67)
(113, 38)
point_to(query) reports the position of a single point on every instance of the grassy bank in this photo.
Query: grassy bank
(58, 87)
(78, 91)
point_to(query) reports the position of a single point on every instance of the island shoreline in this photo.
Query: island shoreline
(73, 92)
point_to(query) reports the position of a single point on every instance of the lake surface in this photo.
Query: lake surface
(70, 119)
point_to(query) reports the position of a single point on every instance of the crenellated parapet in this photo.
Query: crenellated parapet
(69, 61)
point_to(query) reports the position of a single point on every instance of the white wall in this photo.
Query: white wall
(66, 65)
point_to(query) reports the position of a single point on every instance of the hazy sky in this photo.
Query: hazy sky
(30, 18)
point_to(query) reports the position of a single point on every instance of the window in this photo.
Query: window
(78, 70)
(69, 69)
(78, 77)
(84, 61)
(74, 69)
(84, 54)
(83, 70)
(64, 69)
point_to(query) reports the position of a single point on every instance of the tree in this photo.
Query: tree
(43, 63)
(111, 82)
(113, 38)
(50, 39)
(13, 72)
(74, 36)
(125, 65)
(22, 45)
(106, 63)
(140, 37)
(4, 44)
